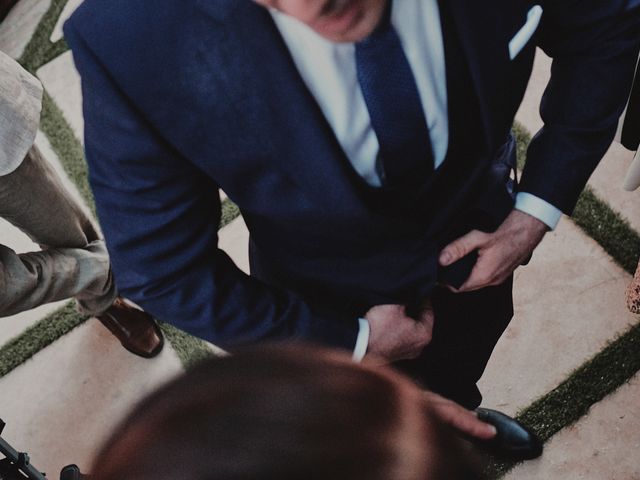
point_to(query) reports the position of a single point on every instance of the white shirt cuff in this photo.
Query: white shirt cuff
(362, 342)
(538, 208)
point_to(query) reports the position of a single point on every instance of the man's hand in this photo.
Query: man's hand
(463, 420)
(396, 336)
(499, 253)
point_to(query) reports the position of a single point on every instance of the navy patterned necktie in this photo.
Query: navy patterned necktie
(391, 95)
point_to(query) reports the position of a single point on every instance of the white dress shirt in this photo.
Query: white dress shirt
(329, 72)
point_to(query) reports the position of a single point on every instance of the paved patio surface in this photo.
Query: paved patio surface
(569, 304)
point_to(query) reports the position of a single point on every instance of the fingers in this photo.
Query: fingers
(463, 246)
(487, 272)
(394, 335)
(459, 418)
(499, 253)
(469, 424)
(484, 271)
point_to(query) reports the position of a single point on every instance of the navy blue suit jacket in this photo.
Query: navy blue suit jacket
(182, 97)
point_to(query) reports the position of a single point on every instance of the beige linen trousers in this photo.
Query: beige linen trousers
(73, 260)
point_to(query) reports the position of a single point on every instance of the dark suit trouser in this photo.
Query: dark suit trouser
(467, 326)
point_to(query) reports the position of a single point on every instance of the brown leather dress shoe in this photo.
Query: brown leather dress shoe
(137, 331)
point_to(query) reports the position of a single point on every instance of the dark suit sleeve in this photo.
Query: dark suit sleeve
(160, 214)
(594, 45)
(630, 137)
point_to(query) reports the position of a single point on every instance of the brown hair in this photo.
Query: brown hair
(282, 413)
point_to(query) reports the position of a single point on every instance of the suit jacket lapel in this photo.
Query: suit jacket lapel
(484, 39)
(281, 115)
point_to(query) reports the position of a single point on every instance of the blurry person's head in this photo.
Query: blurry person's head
(336, 20)
(286, 414)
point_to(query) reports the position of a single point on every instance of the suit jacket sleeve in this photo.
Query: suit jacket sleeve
(160, 214)
(594, 46)
(630, 135)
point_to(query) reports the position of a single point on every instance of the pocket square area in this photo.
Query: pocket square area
(523, 36)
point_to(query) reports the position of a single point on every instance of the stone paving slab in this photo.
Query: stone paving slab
(608, 177)
(15, 239)
(60, 405)
(62, 81)
(69, 8)
(18, 27)
(234, 240)
(569, 303)
(604, 445)
(14, 325)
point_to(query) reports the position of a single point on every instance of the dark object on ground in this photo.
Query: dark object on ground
(137, 331)
(72, 472)
(16, 465)
(514, 441)
(5, 6)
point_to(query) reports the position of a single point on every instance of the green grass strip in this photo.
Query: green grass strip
(586, 386)
(190, 350)
(40, 335)
(40, 50)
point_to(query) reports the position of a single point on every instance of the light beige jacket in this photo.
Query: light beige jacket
(20, 104)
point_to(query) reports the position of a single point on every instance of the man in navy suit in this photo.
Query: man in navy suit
(367, 145)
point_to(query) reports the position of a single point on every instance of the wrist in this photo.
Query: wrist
(519, 220)
(538, 208)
